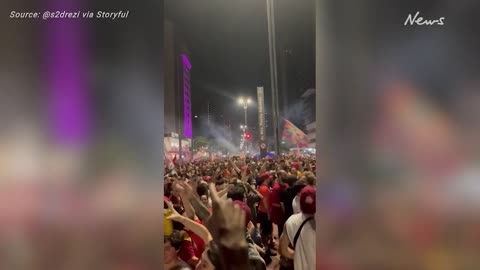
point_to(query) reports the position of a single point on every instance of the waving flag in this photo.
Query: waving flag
(294, 135)
(413, 129)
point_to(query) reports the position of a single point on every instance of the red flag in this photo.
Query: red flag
(175, 160)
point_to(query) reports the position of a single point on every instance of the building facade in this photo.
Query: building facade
(178, 111)
(308, 99)
(171, 94)
(308, 102)
(311, 135)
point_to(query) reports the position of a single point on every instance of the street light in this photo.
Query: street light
(245, 102)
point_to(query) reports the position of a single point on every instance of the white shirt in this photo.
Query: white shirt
(296, 205)
(304, 258)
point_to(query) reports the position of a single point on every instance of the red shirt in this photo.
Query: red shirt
(198, 243)
(275, 208)
(265, 191)
(186, 251)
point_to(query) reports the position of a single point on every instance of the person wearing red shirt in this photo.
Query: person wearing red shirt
(197, 242)
(276, 210)
(186, 252)
(263, 215)
(172, 247)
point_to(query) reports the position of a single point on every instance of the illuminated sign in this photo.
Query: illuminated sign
(261, 121)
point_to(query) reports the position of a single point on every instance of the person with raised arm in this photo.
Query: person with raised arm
(227, 226)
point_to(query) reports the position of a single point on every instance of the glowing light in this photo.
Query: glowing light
(68, 105)
(187, 110)
(186, 62)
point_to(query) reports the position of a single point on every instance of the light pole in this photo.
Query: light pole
(244, 102)
(242, 141)
(243, 128)
(273, 72)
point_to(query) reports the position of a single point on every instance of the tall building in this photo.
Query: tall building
(308, 113)
(308, 99)
(311, 135)
(178, 111)
(186, 102)
(208, 114)
(171, 121)
(285, 56)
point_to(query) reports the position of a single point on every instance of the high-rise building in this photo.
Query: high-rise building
(311, 135)
(285, 56)
(309, 124)
(308, 113)
(178, 111)
(171, 120)
(186, 102)
(208, 114)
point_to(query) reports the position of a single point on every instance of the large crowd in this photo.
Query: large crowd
(240, 213)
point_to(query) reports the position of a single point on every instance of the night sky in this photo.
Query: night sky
(228, 42)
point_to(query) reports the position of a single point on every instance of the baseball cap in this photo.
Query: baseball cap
(265, 176)
(308, 200)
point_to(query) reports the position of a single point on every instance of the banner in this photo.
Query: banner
(261, 122)
(294, 135)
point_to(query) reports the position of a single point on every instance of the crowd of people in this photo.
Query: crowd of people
(240, 213)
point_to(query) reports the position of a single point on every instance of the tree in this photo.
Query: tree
(200, 142)
(284, 148)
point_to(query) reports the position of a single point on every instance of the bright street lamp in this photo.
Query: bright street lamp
(244, 129)
(244, 101)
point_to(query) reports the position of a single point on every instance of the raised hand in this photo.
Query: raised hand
(186, 191)
(175, 216)
(244, 176)
(194, 185)
(227, 223)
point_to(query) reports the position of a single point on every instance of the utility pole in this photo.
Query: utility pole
(273, 73)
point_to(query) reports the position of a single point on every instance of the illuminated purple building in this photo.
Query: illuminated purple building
(178, 111)
(187, 104)
(66, 78)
